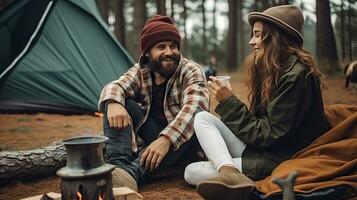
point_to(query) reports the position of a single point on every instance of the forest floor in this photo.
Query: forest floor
(22, 132)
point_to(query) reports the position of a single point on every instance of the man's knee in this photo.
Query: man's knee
(130, 103)
(134, 110)
(131, 106)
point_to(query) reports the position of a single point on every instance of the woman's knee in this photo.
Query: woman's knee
(192, 173)
(201, 118)
(199, 171)
(189, 172)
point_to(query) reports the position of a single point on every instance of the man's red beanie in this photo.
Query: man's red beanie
(158, 29)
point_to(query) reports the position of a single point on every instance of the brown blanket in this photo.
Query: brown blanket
(331, 160)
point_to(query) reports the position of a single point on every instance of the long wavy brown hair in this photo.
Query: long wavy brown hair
(266, 66)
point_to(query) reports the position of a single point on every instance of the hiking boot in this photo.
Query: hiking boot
(229, 184)
(122, 178)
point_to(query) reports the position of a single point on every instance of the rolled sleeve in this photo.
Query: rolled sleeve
(128, 85)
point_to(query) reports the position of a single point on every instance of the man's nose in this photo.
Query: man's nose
(168, 51)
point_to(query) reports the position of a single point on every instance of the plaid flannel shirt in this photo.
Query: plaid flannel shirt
(186, 94)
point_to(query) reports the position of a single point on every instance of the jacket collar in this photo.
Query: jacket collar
(290, 62)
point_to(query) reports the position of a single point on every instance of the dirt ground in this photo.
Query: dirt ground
(20, 132)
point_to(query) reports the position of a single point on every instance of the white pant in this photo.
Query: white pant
(219, 144)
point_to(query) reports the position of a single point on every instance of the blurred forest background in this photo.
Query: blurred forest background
(219, 28)
(216, 32)
(210, 29)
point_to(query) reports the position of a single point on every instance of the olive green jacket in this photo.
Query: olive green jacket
(293, 118)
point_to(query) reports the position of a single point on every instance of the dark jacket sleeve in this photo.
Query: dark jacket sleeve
(283, 112)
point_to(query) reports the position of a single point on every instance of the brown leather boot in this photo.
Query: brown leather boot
(122, 178)
(229, 184)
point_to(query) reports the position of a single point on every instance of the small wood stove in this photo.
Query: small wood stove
(86, 176)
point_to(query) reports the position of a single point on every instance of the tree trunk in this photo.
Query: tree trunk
(349, 31)
(242, 44)
(204, 38)
(103, 8)
(262, 5)
(325, 38)
(119, 25)
(232, 35)
(30, 164)
(161, 7)
(342, 31)
(214, 27)
(139, 19)
(172, 5)
(184, 16)
(284, 2)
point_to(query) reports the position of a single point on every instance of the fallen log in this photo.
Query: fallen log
(30, 164)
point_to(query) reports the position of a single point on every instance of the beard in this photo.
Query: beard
(161, 67)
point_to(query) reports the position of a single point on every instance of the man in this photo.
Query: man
(155, 101)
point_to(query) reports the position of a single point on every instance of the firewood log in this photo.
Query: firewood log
(30, 164)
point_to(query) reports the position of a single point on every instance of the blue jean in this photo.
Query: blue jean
(118, 147)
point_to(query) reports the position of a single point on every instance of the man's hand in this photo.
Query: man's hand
(219, 90)
(117, 115)
(155, 152)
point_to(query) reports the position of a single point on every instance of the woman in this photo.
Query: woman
(286, 112)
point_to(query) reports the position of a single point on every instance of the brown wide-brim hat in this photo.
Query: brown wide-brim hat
(288, 18)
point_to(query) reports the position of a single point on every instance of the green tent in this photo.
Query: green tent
(56, 56)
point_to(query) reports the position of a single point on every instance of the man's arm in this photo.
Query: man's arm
(117, 116)
(114, 94)
(127, 86)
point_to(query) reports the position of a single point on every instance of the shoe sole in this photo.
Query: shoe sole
(212, 190)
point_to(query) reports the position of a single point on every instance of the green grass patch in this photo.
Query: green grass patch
(25, 119)
(4, 147)
(21, 129)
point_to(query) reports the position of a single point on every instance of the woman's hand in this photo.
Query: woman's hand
(220, 90)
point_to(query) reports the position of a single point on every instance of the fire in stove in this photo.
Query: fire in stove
(80, 196)
(86, 176)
